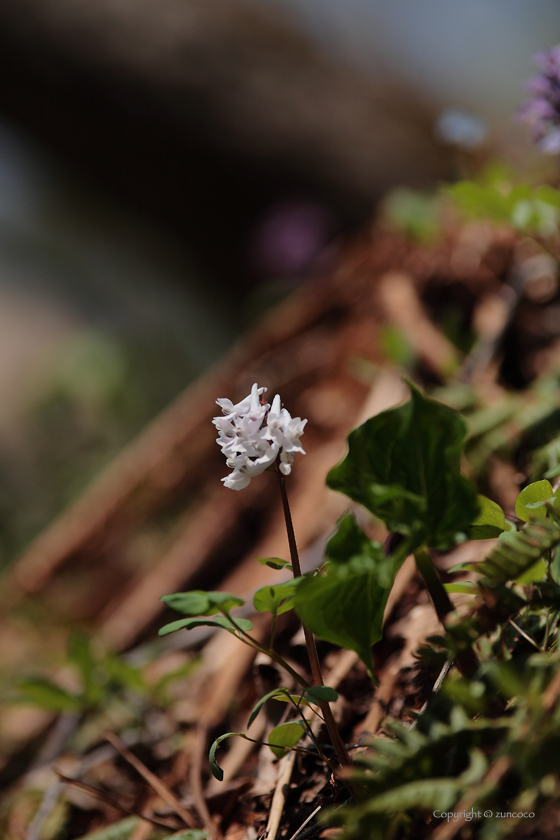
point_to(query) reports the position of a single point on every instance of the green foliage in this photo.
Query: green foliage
(345, 605)
(490, 522)
(526, 208)
(516, 552)
(48, 695)
(315, 694)
(449, 754)
(403, 465)
(276, 599)
(274, 563)
(218, 621)
(285, 736)
(217, 771)
(413, 213)
(199, 602)
(203, 603)
(102, 675)
(527, 505)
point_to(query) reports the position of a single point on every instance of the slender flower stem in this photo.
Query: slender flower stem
(332, 728)
(251, 642)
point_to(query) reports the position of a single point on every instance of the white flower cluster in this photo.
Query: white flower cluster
(252, 434)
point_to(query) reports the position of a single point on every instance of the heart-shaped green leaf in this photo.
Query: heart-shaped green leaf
(404, 466)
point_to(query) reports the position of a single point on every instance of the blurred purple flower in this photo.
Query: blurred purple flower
(290, 236)
(542, 110)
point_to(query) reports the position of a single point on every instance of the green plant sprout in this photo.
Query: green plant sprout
(403, 466)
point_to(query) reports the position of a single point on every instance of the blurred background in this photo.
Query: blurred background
(196, 195)
(168, 171)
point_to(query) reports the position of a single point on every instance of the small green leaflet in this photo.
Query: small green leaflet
(277, 694)
(216, 621)
(539, 491)
(274, 563)
(321, 694)
(285, 736)
(490, 522)
(276, 599)
(199, 602)
(217, 771)
(314, 694)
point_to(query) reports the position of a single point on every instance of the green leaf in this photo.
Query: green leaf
(534, 573)
(274, 563)
(539, 491)
(80, 654)
(199, 602)
(490, 522)
(216, 621)
(516, 552)
(404, 466)
(465, 587)
(345, 606)
(217, 771)
(278, 694)
(322, 693)
(42, 692)
(122, 673)
(316, 694)
(286, 735)
(276, 599)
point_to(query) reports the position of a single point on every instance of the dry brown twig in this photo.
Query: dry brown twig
(154, 781)
(114, 803)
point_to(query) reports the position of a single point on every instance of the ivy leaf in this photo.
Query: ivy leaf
(539, 491)
(404, 466)
(216, 621)
(286, 735)
(345, 606)
(490, 522)
(199, 602)
(276, 599)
